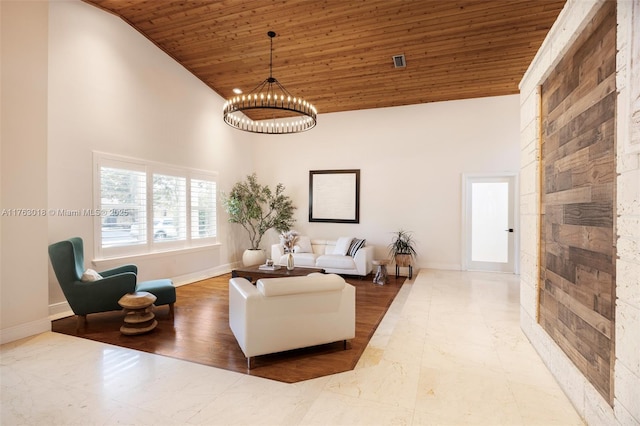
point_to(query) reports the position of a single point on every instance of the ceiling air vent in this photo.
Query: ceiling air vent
(399, 61)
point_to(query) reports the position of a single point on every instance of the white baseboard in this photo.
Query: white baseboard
(24, 330)
(442, 266)
(59, 310)
(201, 275)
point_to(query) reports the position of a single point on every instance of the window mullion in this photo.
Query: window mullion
(150, 217)
(187, 208)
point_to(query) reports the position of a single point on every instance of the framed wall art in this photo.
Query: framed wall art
(334, 196)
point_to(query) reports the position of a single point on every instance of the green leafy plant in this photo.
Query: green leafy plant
(257, 208)
(402, 247)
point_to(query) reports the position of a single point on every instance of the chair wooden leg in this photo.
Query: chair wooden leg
(171, 311)
(82, 321)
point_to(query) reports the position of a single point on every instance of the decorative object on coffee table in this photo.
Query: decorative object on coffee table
(381, 274)
(269, 266)
(138, 309)
(257, 209)
(288, 240)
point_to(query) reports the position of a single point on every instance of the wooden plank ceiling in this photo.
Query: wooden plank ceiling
(337, 54)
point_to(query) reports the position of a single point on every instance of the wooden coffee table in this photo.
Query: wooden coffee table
(254, 273)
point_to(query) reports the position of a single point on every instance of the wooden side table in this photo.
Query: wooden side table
(381, 274)
(138, 309)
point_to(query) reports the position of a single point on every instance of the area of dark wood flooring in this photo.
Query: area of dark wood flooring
(200, 332)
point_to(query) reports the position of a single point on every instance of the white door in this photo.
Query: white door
(489, 234)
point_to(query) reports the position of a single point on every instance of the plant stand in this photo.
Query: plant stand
(408, 266)
(403, 261)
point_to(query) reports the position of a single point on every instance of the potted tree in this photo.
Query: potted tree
(402, 249)
(257, 209)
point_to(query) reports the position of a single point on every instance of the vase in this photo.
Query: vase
(290, 262)
(253, 257)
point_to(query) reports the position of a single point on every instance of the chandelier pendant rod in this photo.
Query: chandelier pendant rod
(271, 35)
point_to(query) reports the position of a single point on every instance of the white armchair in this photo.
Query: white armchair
(280, 314)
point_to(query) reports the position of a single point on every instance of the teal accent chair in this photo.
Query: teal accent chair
(67, 259)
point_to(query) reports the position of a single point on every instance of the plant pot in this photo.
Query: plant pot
(403, 260)
(252, 257)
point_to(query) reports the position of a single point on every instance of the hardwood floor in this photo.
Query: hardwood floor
(200, 332)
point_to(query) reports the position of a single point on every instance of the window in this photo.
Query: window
(143, 207)
(203, 208)
(169, 207)
(123, 198)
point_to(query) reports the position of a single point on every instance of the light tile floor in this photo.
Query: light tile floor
(448, 352)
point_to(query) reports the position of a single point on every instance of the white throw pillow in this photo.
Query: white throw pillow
(90, 275)
(303, 245)
(342, 245)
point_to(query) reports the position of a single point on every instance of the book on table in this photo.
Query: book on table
(269, 267)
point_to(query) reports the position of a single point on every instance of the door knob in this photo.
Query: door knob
(509, 230)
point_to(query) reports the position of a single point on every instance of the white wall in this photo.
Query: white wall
(111, 90)
(588, 402)
(410, 158)
(23, 170)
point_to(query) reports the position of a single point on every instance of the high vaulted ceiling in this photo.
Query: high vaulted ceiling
(337, 54)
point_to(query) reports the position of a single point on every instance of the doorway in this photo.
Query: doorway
(489, 213)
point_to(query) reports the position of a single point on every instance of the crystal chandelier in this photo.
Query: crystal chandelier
(279, 112)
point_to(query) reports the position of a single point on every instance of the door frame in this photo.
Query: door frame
(466, 177)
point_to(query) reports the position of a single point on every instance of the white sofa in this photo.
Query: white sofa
(322, 255)
(280, 314)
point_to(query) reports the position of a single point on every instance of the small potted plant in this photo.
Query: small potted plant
(402, 248)
(257, 209)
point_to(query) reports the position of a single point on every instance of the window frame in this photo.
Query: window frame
(150, 168)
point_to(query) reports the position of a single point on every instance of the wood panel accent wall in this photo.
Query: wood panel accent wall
(578, 253)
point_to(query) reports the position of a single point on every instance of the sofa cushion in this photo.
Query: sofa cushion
(303, 245)
(342, 245)
(311, 283)
(328, 248)
(335, 261)
(301, 259)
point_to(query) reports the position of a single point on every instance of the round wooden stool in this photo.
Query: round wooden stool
(381, 273)
(138, 309)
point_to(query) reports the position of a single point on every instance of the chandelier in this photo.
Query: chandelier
(275, 110)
